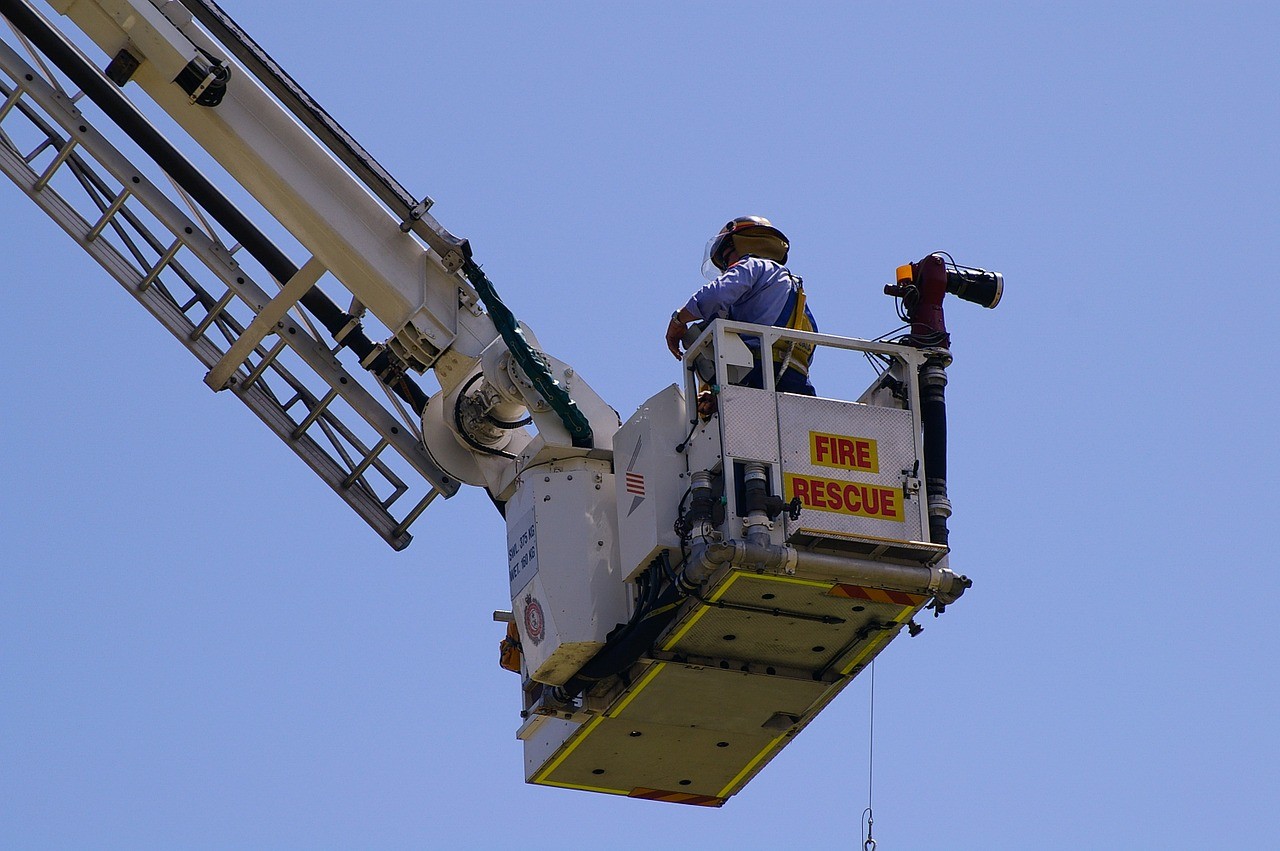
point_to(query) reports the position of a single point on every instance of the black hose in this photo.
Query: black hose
(507, 424)
(628, 644)
(617, 656)
(117, 107)
(933, 420)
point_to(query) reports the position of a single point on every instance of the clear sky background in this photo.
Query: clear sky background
(201, 646)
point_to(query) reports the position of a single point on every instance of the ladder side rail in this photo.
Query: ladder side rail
(130, 24)
(167, 313)
(275, 159)
(340, 437)
(213, 255)
(121, 219)
(337, 433)
(167, 310)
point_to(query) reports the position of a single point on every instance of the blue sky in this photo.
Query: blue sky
(200, 646)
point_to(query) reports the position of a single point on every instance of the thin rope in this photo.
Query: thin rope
(868, 842)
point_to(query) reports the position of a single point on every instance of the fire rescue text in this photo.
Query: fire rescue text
(858, 498)
(844, 453)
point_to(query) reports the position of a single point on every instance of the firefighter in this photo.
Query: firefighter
(749, 283)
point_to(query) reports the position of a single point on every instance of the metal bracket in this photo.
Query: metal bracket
(911, 486)
(373, 355)
(121, 67)
(469, 302)
(416, 212)
(452, 260)
(351, 325)
(204, 86)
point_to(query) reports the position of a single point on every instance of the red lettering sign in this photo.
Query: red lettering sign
(861, 499)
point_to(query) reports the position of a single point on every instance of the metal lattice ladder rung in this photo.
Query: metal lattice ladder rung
(165, 260)
(212, 316)
(256, 372)
(107, 215)
(415, 512)
(316, 411)
(43, 180)
(359, 469)
(10, 102)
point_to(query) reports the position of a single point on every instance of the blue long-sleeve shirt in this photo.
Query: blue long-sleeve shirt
(752, 290)
(756, 290)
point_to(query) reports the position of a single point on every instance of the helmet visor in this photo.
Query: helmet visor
(710, 270)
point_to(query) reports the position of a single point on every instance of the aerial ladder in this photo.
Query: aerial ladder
(688, 589)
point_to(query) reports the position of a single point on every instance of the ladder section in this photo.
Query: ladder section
(261, 348)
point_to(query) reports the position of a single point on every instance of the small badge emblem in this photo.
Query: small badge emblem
(534, 624)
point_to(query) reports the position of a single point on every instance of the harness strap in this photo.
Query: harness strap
(795, 317)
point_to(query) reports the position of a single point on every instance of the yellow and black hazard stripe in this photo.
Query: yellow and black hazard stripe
(876, 595)
(676, 797)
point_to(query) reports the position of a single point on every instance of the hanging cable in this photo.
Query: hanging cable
(869, 842)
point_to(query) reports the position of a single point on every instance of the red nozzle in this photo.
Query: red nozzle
(927, 323)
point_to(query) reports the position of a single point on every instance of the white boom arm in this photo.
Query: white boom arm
(272, 156)
(431, 310)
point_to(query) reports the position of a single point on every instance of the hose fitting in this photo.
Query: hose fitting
(757, 525)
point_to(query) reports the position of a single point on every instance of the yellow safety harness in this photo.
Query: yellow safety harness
(792, 354)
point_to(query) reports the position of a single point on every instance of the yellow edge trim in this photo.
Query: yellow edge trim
(724, 588)
(673, 640)
(792, 580)
(644, 681)
(901, 617)
(728, 790)
(577, 740)
(583, 788)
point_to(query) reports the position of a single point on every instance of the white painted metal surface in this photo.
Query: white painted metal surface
(650, 477)
(855, 468)
(567, 592)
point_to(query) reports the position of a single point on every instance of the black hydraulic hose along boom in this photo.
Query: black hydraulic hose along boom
(336, 321)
